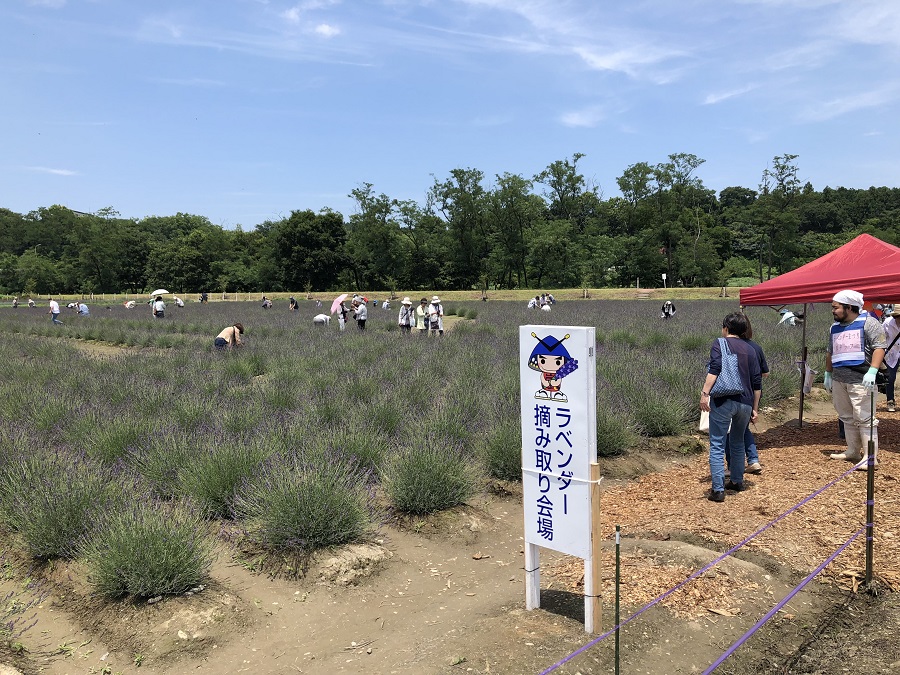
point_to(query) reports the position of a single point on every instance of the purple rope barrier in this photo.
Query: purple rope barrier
(781, 604)
(696, 574)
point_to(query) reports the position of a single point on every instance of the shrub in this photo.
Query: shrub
(293, 504)
(659, 412)
(160, 460)
(694, 342)
(501, 451)
(429, 476)
(212, 477)
(53, 499)
(112, 440)
(614, 435)
(148, 549)
(364, 450)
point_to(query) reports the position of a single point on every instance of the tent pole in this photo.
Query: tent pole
(803, 355)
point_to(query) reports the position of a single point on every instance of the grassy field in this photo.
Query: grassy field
(660, 294)
(136, 433)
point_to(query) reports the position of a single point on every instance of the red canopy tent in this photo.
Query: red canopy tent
(866, 264)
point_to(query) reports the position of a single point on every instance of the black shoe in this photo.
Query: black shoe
(717, 495)
(737, 487)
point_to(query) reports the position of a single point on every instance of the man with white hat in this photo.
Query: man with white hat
(435, 316)
(855, 351)
(406, 319)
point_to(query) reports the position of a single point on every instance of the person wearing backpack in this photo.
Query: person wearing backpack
(730, 395)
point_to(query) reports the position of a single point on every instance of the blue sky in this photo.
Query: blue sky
(244, 110)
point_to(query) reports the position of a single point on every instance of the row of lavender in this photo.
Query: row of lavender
(307, 437)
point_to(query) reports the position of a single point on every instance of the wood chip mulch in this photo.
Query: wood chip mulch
(795, 464)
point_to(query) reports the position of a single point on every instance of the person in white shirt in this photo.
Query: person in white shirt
(892, 356)
(435, 316)
(54, 311)
(406, 318)
(361, 311)
(159, 308)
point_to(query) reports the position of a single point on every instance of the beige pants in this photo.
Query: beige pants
(853, 403)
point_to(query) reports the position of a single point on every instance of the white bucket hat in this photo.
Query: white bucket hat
(406, 301)
(435, 299)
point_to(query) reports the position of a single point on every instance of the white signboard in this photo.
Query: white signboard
(557, 367)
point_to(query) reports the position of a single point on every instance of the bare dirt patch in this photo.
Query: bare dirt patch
(445, 594)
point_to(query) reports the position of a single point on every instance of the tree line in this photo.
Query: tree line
(552, 230)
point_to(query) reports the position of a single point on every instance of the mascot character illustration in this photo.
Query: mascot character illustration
(553, 361)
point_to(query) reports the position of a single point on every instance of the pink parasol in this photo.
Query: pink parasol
(337, 302)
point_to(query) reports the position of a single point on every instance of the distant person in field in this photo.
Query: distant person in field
(178, 301)
(435, 317)
(422, 317)
(204, 297)
(229, 338)
(321, 320)
(30, 303)
(342, 315)
(853, 355)
(16, 302)
(361, 314)
(83, 309)
(406, 319)
(534, 302)
(730, 413)
(266, 303)
(54, 311)
(668, 310)
(293, 306)
(159, 308)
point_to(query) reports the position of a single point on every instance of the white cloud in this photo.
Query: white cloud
(712, 99)
(326, 30)
(869, 22)
(55, 172)
(588, 117)
(296, 13)
(841, 106)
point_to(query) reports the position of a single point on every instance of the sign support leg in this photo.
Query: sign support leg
(532, 576)
(592, 610)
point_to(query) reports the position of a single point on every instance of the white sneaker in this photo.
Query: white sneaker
(863, 464)
(891, 407)
(845, 455)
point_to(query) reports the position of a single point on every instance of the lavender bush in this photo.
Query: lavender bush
(295, 503)
(214, 473)
(51, 499)
(147, 549)
(429, 475)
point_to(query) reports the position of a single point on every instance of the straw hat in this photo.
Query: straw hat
(435, 300)
(406, 301)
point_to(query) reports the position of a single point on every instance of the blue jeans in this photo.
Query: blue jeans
(55, 317)
(720, 416)
(891, 379)
(749, 448)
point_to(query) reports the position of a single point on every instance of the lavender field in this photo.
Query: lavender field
(125, 435)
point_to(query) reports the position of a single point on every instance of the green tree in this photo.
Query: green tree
(460, 200)
(309, 249)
